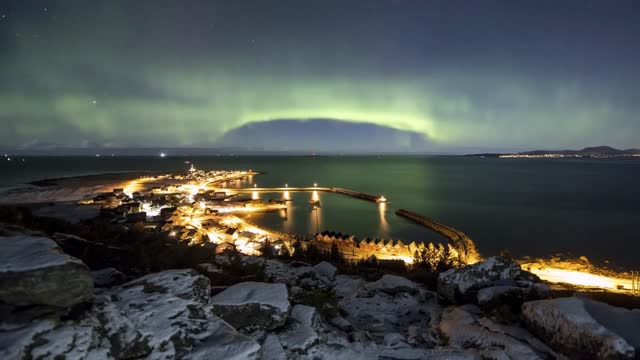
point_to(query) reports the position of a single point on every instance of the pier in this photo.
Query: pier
(463, 244)
(347, 192)
(356, 194)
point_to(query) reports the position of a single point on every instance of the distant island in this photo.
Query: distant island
(589, 152)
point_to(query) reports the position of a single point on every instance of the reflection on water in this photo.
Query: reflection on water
(316, 218)
(315, 196)
(384, 225)
(255, 196)
(286, 195)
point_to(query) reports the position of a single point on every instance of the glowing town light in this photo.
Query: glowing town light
(202, 205)
(286, 195)
(382, 199)
(173, 233)
(163, 155)
(286, 185)
(577, 278)
(254, 195)
(315, 184)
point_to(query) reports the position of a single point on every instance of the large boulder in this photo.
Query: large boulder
(465, 327)
(461, 285)
(253, 305)
(380, 312)
(35, 271)
(302, 333)
(585, 329)
(166, 315)
(326, 269)
(390, 284)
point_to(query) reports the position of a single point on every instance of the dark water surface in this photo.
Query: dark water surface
(529, 206)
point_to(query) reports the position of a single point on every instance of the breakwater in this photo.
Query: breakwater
(463, 244)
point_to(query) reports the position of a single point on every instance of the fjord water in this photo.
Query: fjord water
(530, 207)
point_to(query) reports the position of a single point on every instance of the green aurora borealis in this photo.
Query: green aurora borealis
(121, 74)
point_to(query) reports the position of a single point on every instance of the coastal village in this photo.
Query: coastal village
(205, 209)
(210, 208)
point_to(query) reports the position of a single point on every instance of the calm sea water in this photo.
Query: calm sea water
(529, 207)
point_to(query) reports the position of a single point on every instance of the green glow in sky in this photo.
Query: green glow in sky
(122, 78)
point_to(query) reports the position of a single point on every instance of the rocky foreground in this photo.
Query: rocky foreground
(53, 306)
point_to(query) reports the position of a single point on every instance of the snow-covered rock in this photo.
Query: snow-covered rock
(170, 313)
(253, 305)
(166, 315)
(107, 277)
(347, 286)
(301, 334)
(584, 328)
(296, 274)
(34, 270)
(326, 269)
(383, 313)
(391, 284)
(272, 349)
(464, 327)
(461, 285)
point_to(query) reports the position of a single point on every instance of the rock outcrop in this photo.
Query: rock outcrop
(253, 305)
(461, 286)
(391, 284)
(165, 315)
(583, 328)
(307, 313)
(465, 327)
(35, 271)
(327, 270)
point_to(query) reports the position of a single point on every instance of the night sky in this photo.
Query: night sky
(458, 74)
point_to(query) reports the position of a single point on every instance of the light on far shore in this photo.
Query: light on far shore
(162, 155)
(315, 184)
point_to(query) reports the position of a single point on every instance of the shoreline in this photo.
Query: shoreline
(66, 190)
